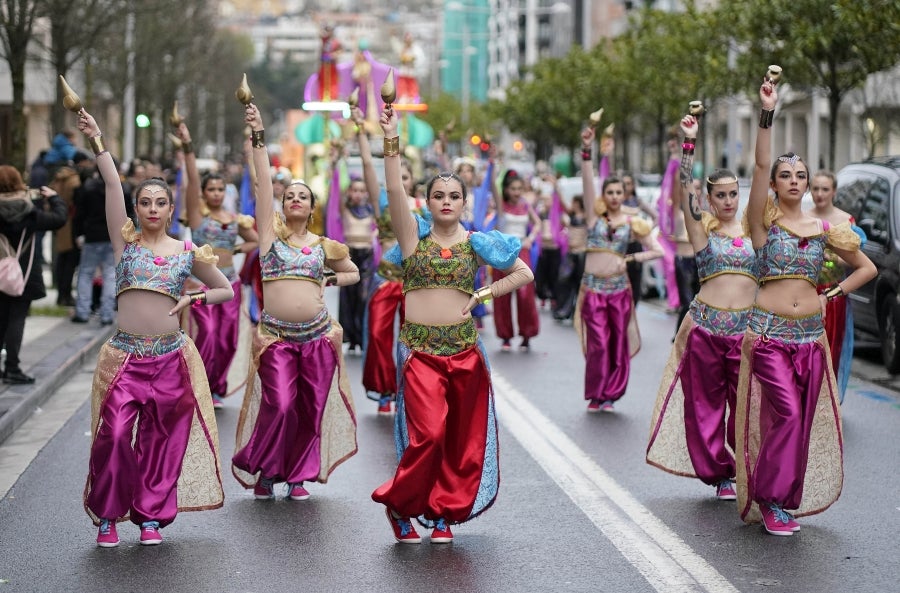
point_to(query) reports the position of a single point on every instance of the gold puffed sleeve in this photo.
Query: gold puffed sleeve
(334, 249)
(640, 227)
(709, 222)
(204, 253)
(843, 237)
(771, 213)
(129, 233)
(282, 231)
(245, 222)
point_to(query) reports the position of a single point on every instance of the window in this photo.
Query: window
(875, 209)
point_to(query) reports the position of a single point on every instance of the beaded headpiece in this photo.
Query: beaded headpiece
(791, 160)
(721, 181)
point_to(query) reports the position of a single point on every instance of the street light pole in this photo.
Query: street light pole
(465, 73)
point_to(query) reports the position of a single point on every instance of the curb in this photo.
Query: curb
(52, 371)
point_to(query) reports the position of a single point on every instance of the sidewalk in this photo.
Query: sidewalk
(53, 349)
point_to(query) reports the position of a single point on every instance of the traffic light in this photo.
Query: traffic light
(142, 120)
(475, 140)
(517, 145)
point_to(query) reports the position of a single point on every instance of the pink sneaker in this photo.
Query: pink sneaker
(593, 406)
(404, 532)
(441, 533)
(725, 490)
(775, 520)
(264, 489)
(106, 535)
(297, 492)
(607, 407)
(150, 535)
(218, 402)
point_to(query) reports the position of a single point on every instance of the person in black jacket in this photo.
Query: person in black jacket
(20, 215)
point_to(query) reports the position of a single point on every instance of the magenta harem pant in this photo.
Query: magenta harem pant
(709, 377)
(155, 391)
(790, 367)
(526, 307)
(214, 329)
(295, 374)
(606, 309)
(379, 367)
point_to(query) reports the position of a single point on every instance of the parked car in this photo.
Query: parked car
(870, 192)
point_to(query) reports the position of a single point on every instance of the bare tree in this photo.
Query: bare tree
(16, 30)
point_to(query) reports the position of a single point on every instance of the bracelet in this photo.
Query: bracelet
(688, 147)
(187, 147)
(258, 138)
(96, 143)
(392, 146)
(330, 278)
(586, 153)
(834, 292)
(765, 118)
(483, 294)
(198, 297)
(236, 250)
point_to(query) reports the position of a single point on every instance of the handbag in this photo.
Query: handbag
(12, 281)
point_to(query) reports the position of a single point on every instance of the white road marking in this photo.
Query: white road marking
(663, 558)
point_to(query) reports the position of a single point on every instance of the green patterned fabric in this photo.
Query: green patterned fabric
(439, 340)
(433, 266)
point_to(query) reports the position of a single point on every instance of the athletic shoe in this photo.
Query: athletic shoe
(607, 407)
(505, 346)
(263, 489)
(150, 535)
(593, 406)
(404, 532)
(441, 533)
(297, 491)
(384, 405)
(525, 346)
(775, 520)
(218, 402)
(106, 535)
(725, 490)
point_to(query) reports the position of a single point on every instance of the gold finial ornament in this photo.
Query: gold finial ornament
(175, 118)
(609, 131)
(595, 118)
(243, 92)
(773, 74)
(71, 100)
(389, 89)
(696, 108)
(176, 141)
(353, 100)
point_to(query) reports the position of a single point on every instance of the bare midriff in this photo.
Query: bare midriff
(293, 300)
(146, 312)
(603, 264)
(728, 291)
(436, 306)
(789, 296)
(226, 257)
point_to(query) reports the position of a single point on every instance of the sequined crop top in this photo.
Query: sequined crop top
(287, 261)
(786, 255)
(220, 235)
(726, 255)
(605, 237)
(433, 266)
(139, 269)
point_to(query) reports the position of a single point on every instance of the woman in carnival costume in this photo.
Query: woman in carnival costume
(155, 444)
(789, 442)
(604, 315)
(297, 422)
(838, 312)
(214, 328)
(692, 431)
(386, 293)
(445, 428)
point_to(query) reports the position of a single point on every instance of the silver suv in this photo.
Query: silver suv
(870, 192)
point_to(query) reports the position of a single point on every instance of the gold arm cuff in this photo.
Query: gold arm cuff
(258, 138)
(483, 294)
(187, 147)
(96, 143)
(392, 146)
(834, 292)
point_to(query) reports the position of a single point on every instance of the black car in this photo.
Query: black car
(870, 192)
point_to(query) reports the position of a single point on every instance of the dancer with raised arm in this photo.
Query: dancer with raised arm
(155, 445)
(297, 422)
(604, 313)
(692, 431)
(445, 427)
(789, 443)
(214, 328)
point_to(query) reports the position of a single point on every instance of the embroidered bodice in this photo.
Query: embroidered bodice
(139, 269)
(433, 266)
(285, 261)
(605, 237)
(726, 255)
(786, 255)
(216, 234)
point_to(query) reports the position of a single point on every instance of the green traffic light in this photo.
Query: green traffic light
(142, 120)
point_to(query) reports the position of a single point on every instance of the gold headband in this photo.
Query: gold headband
(721, 181)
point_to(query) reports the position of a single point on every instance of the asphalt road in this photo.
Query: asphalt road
(578, 509)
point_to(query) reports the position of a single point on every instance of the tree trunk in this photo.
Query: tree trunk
(834, 102)
(18, 124)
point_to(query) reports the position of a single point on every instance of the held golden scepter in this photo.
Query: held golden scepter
(389, 90)
(175, 118)
(773, 74)
(243, 92)
(594, 118)
(71, 100)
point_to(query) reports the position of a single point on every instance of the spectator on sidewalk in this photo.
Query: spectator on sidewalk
(65, 251)
(21, 217)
